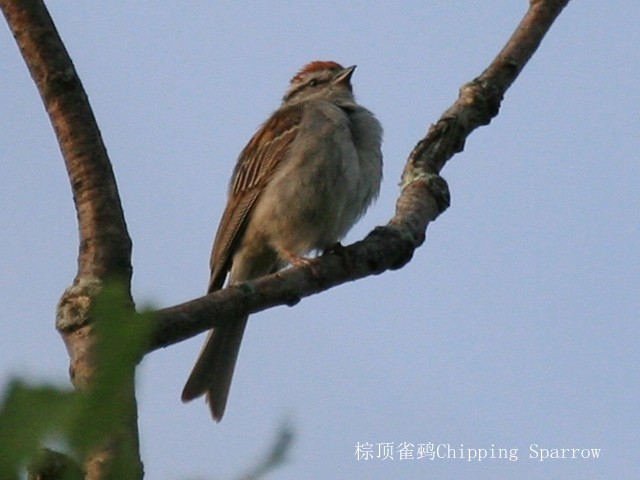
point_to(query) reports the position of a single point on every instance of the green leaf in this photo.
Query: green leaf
(88, 419)
(27, 416)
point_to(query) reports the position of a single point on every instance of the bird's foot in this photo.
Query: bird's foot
(296, 260)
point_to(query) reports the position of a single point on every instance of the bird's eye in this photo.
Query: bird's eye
(313, 83)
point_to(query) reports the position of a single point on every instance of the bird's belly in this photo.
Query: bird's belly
(300, 216)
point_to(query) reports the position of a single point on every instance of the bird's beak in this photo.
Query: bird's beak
(345, 75)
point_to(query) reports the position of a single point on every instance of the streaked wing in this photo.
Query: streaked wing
(256, 164)
(229, 232)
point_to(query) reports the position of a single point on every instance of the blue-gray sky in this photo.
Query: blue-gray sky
(515, 324)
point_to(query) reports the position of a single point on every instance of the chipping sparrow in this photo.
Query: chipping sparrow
(299, 185)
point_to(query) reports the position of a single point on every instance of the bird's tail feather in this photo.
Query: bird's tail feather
(213, 371)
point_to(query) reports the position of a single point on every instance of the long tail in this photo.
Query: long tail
(213, 371)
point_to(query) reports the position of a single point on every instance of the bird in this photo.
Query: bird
(303, 180)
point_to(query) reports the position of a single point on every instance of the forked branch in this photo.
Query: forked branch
(423, 197)
(105, 246)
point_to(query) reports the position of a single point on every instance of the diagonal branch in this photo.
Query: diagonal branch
(105, 246)
(423, 197)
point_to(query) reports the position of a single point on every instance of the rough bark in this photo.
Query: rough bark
(105, 246)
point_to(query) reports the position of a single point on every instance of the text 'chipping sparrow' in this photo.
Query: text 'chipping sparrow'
(299, 185)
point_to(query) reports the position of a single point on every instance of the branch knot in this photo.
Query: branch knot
(73, 310)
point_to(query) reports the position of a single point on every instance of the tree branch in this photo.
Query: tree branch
(105, 246)
(423, 197)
